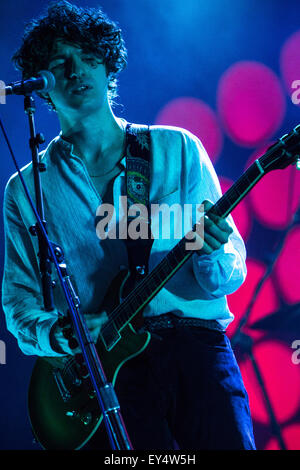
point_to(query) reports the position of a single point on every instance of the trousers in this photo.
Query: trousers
(184, 391)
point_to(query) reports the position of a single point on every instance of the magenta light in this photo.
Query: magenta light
(291, 437)
(290, 64)
(197, 117)
(281, 378)
(251, 103)
(287, 269)
(266, 302)
(276, 197)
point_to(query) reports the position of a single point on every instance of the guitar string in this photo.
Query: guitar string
(129, 300)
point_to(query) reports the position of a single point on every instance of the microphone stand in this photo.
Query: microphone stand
(48, 253)
(37, 166)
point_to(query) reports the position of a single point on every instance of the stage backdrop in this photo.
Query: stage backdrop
(228, 72)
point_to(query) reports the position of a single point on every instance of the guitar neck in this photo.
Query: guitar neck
(225, 205)
(165, 270)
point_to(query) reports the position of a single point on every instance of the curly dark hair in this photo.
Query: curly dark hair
(88, 28)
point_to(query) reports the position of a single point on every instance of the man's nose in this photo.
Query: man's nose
(74, 69)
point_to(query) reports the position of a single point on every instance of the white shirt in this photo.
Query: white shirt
(181, 172)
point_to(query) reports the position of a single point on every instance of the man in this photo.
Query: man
(185, 389)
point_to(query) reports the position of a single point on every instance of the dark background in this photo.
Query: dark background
(175, 49)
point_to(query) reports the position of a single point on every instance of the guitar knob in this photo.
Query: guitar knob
(140, 270)
(83, 371)
(85, 418)
(92, 393)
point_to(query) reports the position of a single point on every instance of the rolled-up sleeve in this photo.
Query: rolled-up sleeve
(222, 272)
(22, 300)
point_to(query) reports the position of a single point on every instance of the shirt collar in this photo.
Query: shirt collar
(64, 143)
(68, 147)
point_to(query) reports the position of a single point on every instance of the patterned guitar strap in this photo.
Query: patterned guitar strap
(138, 240)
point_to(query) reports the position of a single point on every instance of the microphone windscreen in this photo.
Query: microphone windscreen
(49, 80)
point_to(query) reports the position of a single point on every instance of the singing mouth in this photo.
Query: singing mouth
(79, 89)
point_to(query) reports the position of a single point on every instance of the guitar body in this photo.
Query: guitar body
(65, 415)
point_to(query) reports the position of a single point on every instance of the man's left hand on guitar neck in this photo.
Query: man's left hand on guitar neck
(212, 235)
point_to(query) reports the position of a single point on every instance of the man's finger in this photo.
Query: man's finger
(212, 242)
(222, 224)
(217, 232)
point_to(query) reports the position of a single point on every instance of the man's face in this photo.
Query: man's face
(81, 80)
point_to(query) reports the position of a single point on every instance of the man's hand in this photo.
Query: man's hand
(60, 344)
(215, 232)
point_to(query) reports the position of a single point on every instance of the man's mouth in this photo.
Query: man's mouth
(79, 89)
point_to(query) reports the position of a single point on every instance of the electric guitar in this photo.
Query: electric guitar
(63, 410)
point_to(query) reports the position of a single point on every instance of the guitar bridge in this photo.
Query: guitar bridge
(64, 392)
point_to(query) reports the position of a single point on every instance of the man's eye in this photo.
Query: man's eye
(56, 65)
(90, 60)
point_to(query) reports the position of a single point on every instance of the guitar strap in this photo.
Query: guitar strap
(137, 176)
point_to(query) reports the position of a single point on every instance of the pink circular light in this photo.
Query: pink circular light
(276, 197)
(240, 214)
(281, 379)
(198, 118)
(287, 268)
(266, 302)
(289, 62)
(290, 436)
(251, 102)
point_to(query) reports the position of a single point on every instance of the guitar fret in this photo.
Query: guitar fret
(118, 321)
(232, 197)
(135, 301)
(154, 280)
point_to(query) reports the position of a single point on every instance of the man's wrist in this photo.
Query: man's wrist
(53, 337)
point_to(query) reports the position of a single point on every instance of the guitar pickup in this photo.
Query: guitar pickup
(110, 336)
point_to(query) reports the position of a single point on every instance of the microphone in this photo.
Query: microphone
(44, 82)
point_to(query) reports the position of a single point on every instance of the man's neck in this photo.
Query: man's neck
(94, 137)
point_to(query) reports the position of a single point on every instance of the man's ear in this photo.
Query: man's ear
(42, 95)
(46, 97)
